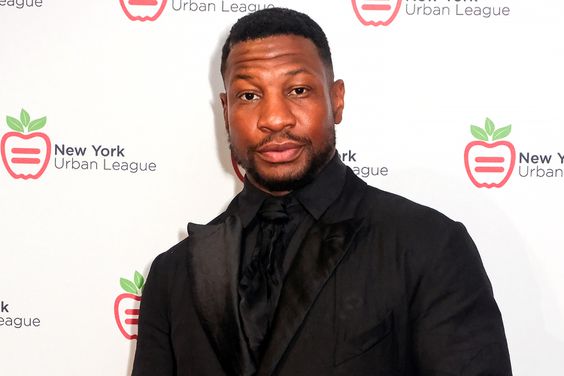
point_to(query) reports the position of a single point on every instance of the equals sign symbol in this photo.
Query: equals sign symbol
(134, 312)
(369, 5)
(23, 156)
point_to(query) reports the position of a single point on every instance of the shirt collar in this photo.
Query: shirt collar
(314, 197)
(250, 199)
(324, 189)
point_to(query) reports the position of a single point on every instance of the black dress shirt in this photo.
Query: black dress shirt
(304, 206)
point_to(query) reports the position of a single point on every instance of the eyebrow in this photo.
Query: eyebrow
(296, 72)
(243, 76)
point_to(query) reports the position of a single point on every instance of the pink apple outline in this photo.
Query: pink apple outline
(118, 300)
(377, 23)
(140, 18)
(26, 137)
(490, 146)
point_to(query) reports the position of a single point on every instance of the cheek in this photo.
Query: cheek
(317, 123)
(317, 110)
(237, 117)
(238, 139)
(241, 131)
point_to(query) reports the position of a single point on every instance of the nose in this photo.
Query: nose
(275, 114)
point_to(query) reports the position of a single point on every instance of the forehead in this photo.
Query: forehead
(280, 51)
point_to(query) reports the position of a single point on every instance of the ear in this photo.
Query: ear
(338, 100)
(223, 99)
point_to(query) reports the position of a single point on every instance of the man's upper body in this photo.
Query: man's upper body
(354, 280)
(379, 286)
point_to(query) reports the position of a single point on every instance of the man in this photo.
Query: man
(310, 271)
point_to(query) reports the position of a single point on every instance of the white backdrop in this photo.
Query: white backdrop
(148, 89)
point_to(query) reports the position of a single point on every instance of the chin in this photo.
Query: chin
(291, 178)
(288, 176)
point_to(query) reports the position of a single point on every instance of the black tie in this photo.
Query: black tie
(263, 273)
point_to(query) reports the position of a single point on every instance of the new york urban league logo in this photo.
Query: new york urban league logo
(489, 162)
(376, 12)
(126, 305)
(143, 10)
(25, 152)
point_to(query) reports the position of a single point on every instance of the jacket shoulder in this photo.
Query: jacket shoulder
(166, 264)
(417, 225)
(394, 207)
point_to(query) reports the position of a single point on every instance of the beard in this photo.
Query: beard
(315, 160)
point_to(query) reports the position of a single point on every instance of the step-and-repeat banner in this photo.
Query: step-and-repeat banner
(112, 139)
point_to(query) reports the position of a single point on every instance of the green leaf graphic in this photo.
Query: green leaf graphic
(24, 117)
(479, 133)
(15, 124)
(139, 280)
(128, 286)
(37, 124)
(490, 127)
(502, 133)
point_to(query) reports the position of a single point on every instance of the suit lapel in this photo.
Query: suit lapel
(320, 253)
(213, 269)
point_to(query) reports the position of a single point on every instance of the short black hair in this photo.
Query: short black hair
(277, 21)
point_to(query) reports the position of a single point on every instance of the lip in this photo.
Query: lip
(285, 152)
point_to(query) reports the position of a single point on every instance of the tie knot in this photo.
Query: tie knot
(273, 209)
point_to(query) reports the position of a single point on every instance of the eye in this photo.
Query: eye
(299, 91)
(248, 97)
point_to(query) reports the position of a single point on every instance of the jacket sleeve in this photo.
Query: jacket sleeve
(457, 326)
(154, 354)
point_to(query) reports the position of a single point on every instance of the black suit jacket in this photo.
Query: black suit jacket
(380, 286)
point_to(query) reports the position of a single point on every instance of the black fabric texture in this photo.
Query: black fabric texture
(261, 278)
(374, 284)
(275, 227)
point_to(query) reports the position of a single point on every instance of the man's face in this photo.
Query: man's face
(280, 109)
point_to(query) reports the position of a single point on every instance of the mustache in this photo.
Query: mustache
(280, 137)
